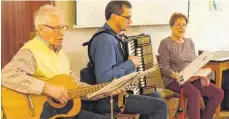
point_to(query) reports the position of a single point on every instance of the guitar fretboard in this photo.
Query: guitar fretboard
(80, 92)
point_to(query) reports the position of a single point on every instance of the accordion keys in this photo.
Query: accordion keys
(142, 82)
(140, 45)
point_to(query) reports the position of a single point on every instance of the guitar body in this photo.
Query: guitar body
(19, 106)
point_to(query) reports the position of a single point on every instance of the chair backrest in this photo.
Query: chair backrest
(158, 77)
(157, 57)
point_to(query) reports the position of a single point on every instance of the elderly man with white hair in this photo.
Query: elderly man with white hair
(42, 57)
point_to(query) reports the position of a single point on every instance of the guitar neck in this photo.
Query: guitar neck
(81, 92)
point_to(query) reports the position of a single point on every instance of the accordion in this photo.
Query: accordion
(140, 45)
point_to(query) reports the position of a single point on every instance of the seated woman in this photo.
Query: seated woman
(175, 53)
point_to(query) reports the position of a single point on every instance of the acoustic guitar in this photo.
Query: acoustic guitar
(18, 105)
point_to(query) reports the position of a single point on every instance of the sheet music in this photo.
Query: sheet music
(123, 81)
(195, 65)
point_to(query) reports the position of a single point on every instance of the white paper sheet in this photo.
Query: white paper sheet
(122, 82)
(194, 66)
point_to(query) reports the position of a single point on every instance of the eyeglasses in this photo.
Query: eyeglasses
(58, 28)
(126, 17)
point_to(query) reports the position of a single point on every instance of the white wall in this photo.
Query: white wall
(208, 29)
(91, 12)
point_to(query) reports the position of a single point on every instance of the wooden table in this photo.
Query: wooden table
(219, 66)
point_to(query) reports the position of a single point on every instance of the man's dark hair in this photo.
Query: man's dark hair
(116, 7)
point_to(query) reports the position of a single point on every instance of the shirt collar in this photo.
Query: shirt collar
(106, 26)
(120, 36)
(49, 45)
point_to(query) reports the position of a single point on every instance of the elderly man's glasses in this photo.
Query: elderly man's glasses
(126, 17)
(58, 28)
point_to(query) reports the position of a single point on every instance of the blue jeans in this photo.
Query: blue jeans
(149, 107)
(89, 115)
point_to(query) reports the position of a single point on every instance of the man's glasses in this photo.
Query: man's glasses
(58, 28)
(126, 17)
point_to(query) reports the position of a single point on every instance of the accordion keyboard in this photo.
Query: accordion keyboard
(140, 45)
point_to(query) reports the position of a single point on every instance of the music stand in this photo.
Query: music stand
(120, 83)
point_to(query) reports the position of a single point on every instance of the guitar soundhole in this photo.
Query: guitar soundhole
(49, 111)
(55, 101)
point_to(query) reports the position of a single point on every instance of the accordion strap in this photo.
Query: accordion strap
(88, 43)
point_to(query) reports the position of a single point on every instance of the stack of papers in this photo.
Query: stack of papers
(221, 55)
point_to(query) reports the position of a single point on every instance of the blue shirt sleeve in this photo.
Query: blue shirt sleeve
(104, 57)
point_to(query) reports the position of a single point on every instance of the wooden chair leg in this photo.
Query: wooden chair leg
(170, 111)
(172, 106)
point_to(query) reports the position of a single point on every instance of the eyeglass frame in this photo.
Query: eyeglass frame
(126, 17)
(57, 29)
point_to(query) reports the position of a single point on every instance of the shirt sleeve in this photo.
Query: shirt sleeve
(17, 74)
(164, 59)
(106, 67)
